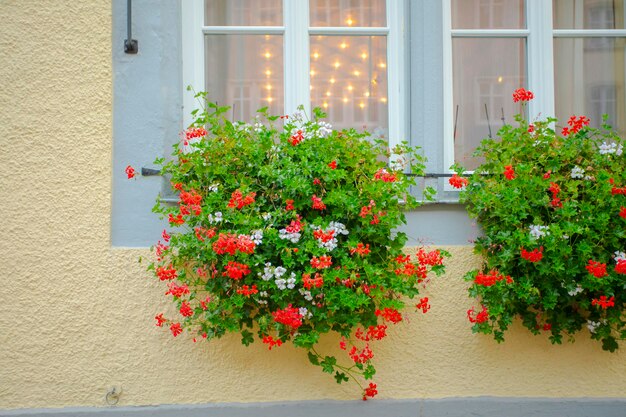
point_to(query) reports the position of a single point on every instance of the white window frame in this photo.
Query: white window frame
(296, 32)
(539, 34)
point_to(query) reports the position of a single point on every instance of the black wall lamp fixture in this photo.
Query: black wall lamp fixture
(131, 46)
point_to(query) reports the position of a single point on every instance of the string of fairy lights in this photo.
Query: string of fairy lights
(338, 69)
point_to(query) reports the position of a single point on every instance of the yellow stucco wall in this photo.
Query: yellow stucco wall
(76, 316)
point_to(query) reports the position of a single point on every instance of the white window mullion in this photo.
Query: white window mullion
(243, 30)
(193, 54)
(448, 94)
(395, 66)
(296, 55)
(540, 58)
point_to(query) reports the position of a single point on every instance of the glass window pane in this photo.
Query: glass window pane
(486, 72)
(488, 14)
(588, 14)
(334, 13)
(243, 12)
(349, 81)
(589, 79)
(245, 72)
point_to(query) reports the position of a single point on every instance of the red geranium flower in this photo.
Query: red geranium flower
(160, 320)
(509, 173)
(603, 302)
(522, 94)
(370, 391)
(458, 182)
(176, 329)
(480, 317)
(596, 269)
(533, 256)
(130, 172)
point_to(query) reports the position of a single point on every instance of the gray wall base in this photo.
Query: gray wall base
(451, 407)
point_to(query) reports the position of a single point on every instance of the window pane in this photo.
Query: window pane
(243, 12)
(486, 72)
(245, 72)
(488, 14)
(588, 14)
(349, 81)
(347, 13)
(589, 79)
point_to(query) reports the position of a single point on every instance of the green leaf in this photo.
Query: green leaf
(369, 371)
(610, 344)
(328, 364)
(340, 377)
(313, 358)
(246, 337)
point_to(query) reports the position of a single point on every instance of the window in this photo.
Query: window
(344, 56)
(571, 53)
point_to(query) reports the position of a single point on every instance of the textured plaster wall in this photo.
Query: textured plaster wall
(76, 315)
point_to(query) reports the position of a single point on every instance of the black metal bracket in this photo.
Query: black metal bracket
(131, 46)
(150, 172)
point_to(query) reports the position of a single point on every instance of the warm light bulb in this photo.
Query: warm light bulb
(367, 94)
(343, 45)
(336, 64)
(349, 22)
(268, 55)
(312, 73)
(325, 105)
(316, 55)
(361, 105)
(384, 99)
(268, 72)
(269, 86)
(345, 100)
(270, 99)
(382, 65)
(499, 79)
(332, 81)
(363, 55)
(267, 37)
(310, 87)
(328, 94)
(357, 73)
(350, 88)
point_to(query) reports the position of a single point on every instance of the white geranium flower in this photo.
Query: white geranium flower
(592, 326)
(610, 148)
(577, 172)
(216, 218)
(539, 231)
(324, 130)
(575, 291)
(257, 236)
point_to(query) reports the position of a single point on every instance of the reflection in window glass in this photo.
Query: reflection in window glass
(588, 14)
(590, 81)
(486, 72)
(488, 14)
(243, 12)
(365, 13)
(349, 81)
(245, 72)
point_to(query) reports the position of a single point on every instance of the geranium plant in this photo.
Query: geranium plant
(285, 230)
(552, 208)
